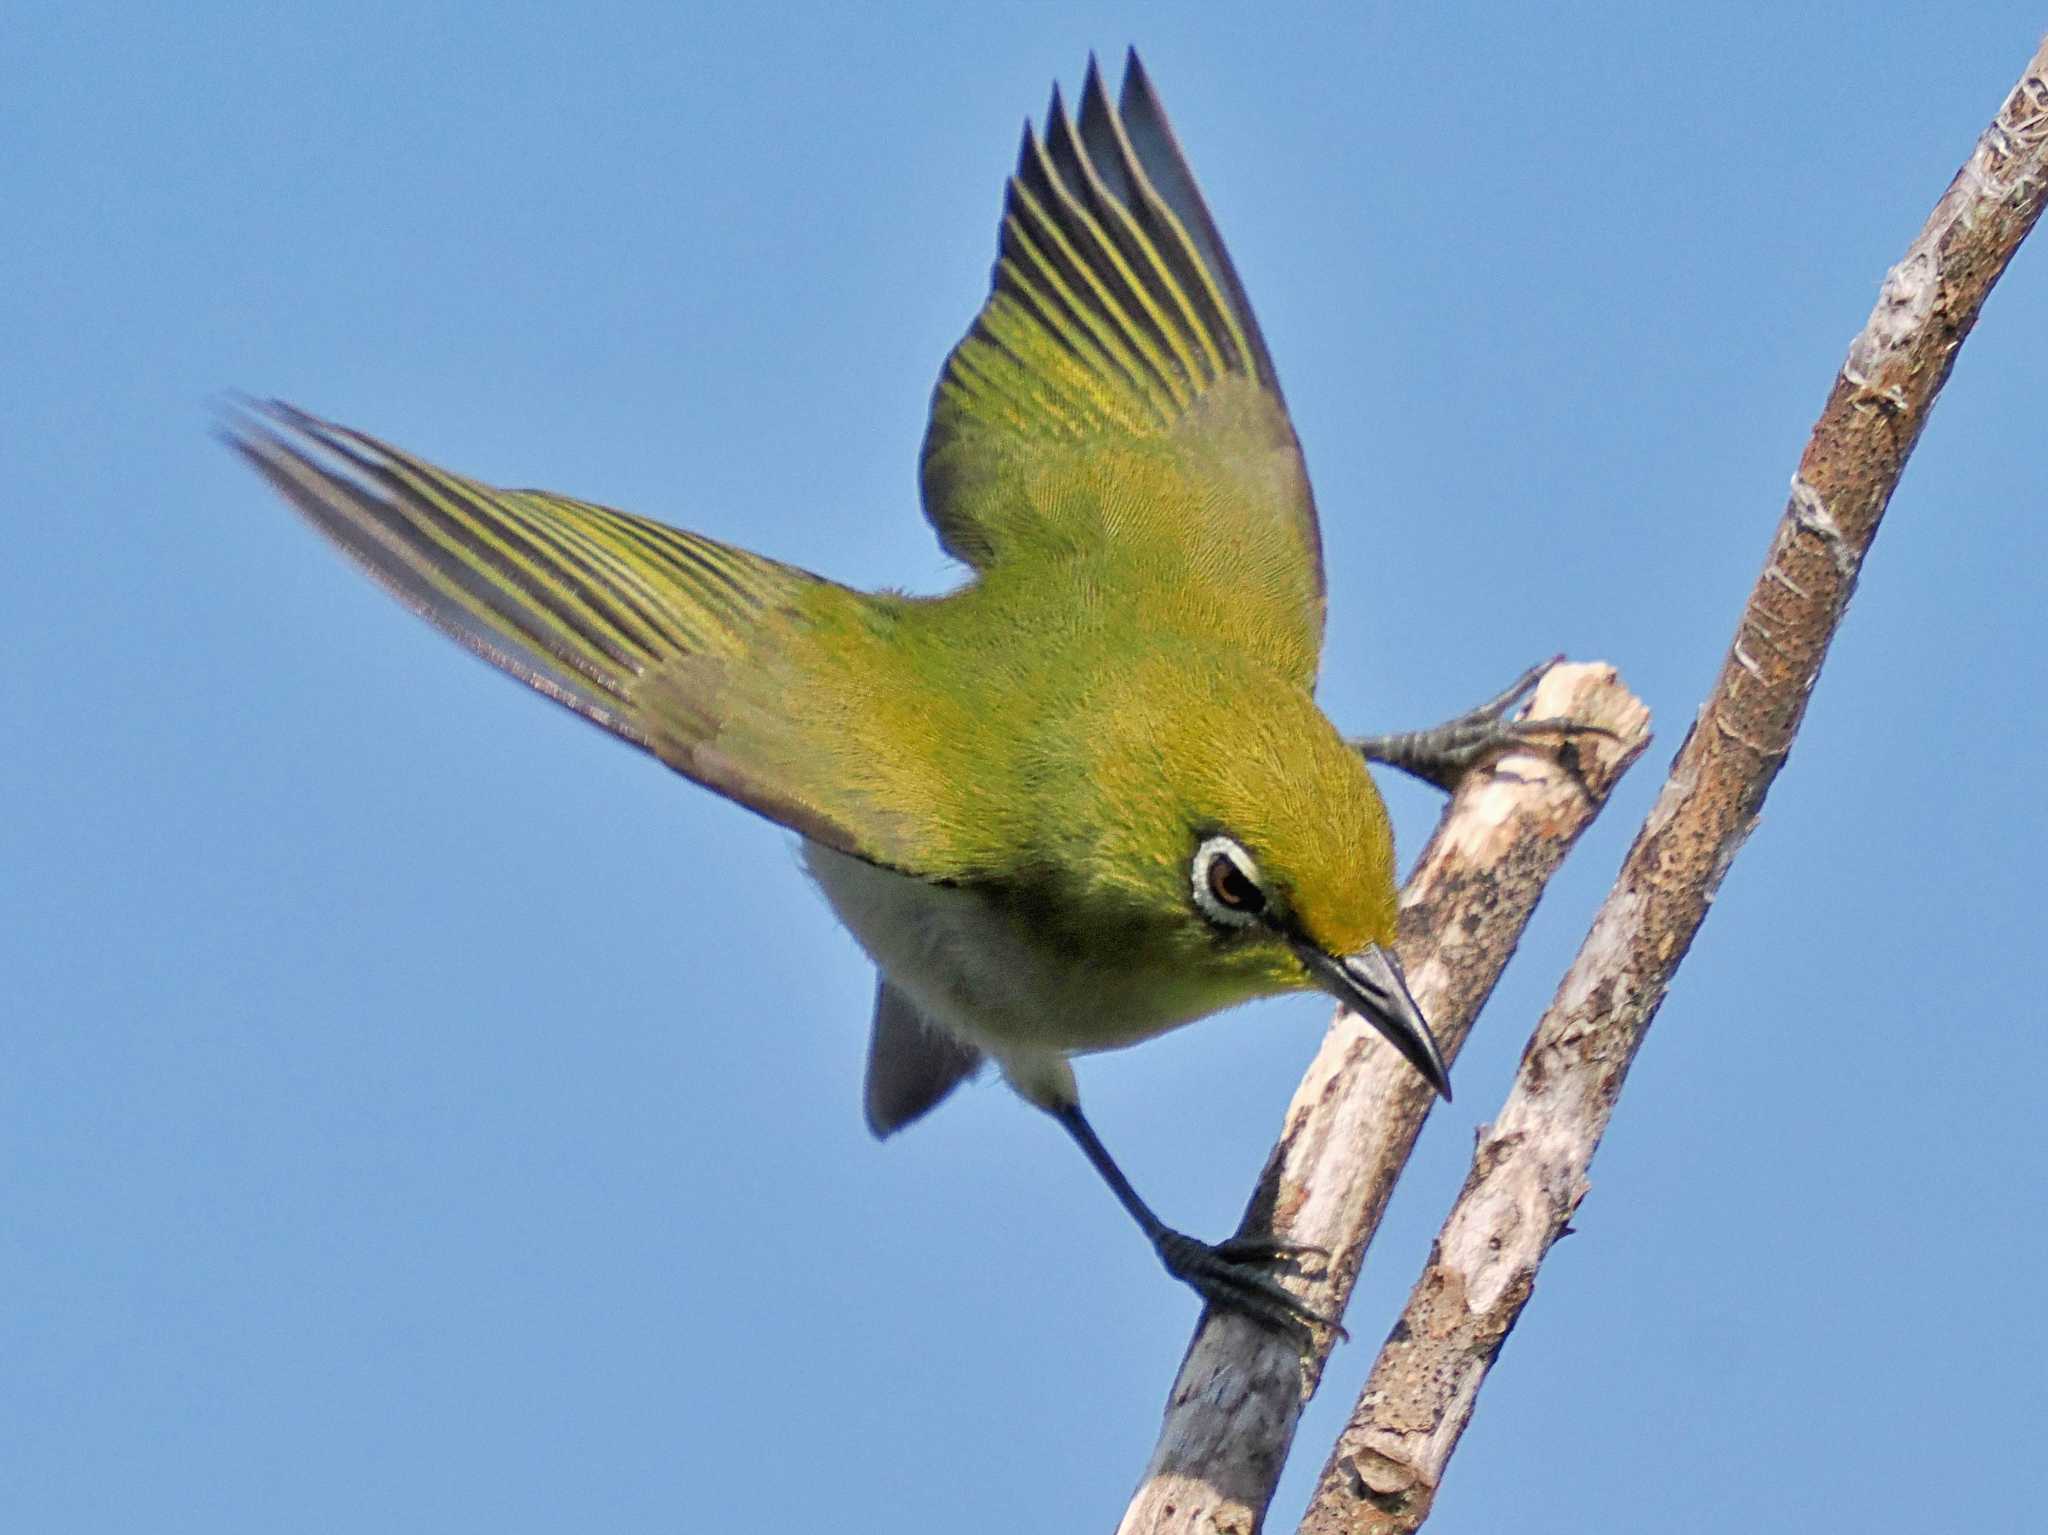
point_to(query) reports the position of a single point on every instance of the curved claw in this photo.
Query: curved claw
(1234, 1275)
(1296, 1256)
(1449, 751)
(1497, 706)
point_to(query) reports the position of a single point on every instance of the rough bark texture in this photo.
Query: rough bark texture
(1231, 1415)
(1529, 1172)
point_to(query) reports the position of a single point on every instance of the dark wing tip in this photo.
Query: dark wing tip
(1139, 97)
(1165, 164)
(1113, 303)
(1136, 79)
(347, 488)
(1091, 84)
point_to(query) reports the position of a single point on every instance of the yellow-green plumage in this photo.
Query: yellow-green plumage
(1013, 793)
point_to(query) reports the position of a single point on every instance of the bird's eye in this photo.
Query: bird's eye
(1226, 883)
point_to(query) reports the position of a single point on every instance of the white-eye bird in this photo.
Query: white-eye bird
(1084, 798)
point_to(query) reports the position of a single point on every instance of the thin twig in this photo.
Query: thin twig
(1232, 1412)
(1529, 1172)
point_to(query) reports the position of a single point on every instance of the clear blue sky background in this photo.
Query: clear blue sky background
(421, 1113)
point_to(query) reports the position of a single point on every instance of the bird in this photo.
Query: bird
(1084, 798)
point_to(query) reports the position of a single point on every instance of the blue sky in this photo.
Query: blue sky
(422, 1113)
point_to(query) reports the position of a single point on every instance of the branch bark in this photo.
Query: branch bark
(1232, 1412)
(1529, 1172)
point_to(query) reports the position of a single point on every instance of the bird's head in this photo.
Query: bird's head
(1239, 846)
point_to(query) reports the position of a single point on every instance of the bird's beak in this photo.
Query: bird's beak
(1370, 983)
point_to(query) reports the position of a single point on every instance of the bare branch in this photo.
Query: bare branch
(1348, 1132)
(1529, 1172)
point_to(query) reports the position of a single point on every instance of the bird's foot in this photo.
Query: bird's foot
(1444, 754)
(1237, 1275)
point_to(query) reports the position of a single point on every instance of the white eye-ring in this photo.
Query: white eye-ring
(1226, 885)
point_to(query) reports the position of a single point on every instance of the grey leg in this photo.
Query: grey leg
(1235, 1274)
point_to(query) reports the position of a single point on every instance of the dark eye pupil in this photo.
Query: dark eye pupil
(1228, 884)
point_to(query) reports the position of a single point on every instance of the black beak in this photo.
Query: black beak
(1370, 983)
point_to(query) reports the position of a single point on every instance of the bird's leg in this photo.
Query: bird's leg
(1235, 1273)
(1445, 753)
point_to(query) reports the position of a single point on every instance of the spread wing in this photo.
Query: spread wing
(1114, 393)
(686, 647)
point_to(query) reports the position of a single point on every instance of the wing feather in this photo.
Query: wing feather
(1116, 363)
(669, 640)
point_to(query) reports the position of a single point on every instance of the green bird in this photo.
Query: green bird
(1086, 797)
